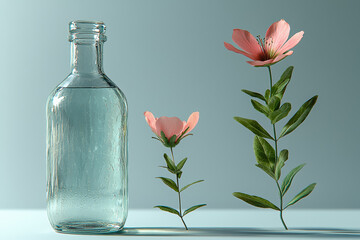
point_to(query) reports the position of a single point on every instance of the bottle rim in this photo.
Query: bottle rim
(87, 31)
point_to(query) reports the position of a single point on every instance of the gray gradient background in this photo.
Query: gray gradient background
(168, 57)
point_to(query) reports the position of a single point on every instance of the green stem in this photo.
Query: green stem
(178, 186)
(270, 80)
(276, 159)
(281, 206)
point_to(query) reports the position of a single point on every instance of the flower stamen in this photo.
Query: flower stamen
(262, 46)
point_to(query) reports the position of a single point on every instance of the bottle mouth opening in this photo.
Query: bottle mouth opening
(87, 31)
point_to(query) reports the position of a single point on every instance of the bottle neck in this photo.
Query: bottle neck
(86, 58)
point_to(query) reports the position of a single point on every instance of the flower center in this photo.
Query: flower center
(267, 47)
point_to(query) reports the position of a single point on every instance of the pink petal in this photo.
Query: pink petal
(246, 41)
(192, 121)
(270, 61)
(149, 117)
(169, 125)
(278, 33)
(260, 63)
(234, 49)
(292, 42)
(282, 56)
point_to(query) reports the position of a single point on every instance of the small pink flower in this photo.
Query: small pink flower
(171, 126)
(269, 50)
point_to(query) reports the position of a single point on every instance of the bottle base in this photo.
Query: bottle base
(87, 227)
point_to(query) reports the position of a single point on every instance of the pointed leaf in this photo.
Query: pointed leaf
(179, 174)
(280, 163)
(299, 116)
(261, 108)
(278, 167)
(267, 95)
(181, 164)
(280, 86)
(274, 103)
(169, 183)
(181, 136)
(259, 151)
(171, 171)
(288, 179)
(287, 73)
(253, 126)
(267, 170)
(170, 163)
(264, 152)
(281, 90)
(255, 200)
(193, 208)
(172, 141)
(163, 137)
(254, 94)
(156, 138)
(302, 194)
(168, 209)
(279, 114)
(284, 155)
(182, 189)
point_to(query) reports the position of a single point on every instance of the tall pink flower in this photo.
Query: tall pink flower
(171, 126)
(267, 51)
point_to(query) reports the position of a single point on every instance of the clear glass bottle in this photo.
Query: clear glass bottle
(87, 141)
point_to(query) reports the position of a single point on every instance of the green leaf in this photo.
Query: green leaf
(280, 163)
(181, 164)
(168, 209)
(261, 108)
(172, 141)
(302, 194)
(253, 126)
(182, 136)
(179, 173)
(156, 138)
(264, 152)
(278, 170)
(170, 183)
(284, 155)
(193, 208)
(288, 179)
(281, 90)
(255, 200)
(170, 163)
(299, 116)
(267, 95)
(267, 170)
(254, 94)
(279, 114)
(182, 189)
(163, 137)
(171, 171)
(274, 103)
(280, 86)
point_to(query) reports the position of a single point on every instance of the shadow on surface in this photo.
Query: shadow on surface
(238, 232)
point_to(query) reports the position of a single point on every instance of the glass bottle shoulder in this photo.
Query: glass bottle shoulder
(85, 85)
(87, 80)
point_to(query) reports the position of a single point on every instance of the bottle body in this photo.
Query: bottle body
(87, 155)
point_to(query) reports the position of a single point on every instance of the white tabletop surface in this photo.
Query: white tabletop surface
(203, 224)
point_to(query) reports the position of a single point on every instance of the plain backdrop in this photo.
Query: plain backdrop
(168, 57)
